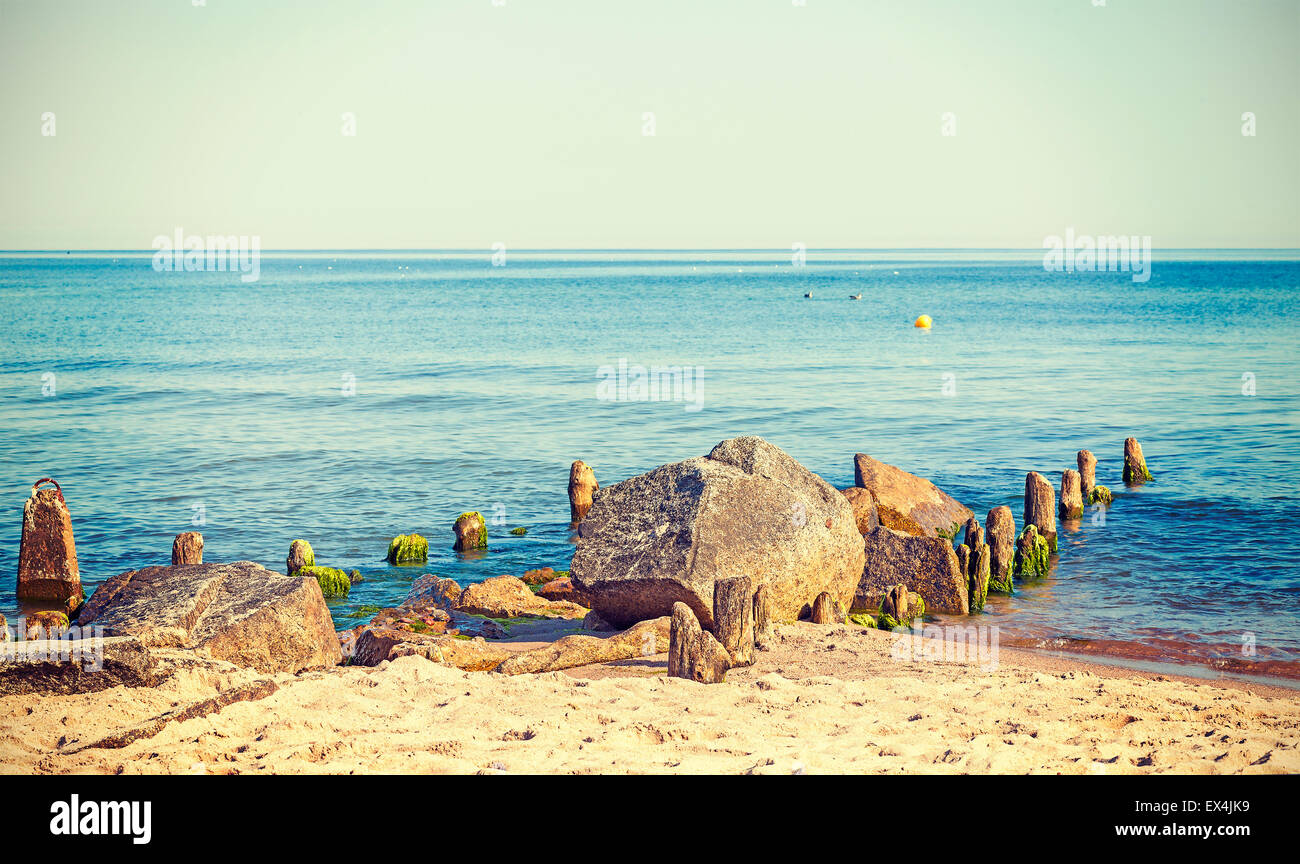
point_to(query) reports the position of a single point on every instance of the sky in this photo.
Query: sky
(524, 123)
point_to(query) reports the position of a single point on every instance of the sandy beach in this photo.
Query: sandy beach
(824, 699)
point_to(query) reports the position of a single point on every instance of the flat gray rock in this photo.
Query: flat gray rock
(238, 612)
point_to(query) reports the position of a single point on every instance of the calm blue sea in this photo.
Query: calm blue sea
(180, 394)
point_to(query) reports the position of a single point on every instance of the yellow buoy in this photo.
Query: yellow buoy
(923, 322)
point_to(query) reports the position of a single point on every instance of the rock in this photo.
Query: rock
(187, 548)
(693, 652)
(1000, 531)
(827, 610)
(973, 537)
(412, 548)
(422, 618)
(354, 576)
(4, 629)
(435, 591)
(644, 639)
(508, 597)
(47, 556)
(582, 488)
(520, 531)
(963, 558)
(1087, 471)
(538, 577)
(904, 500)
(683, 641)
(333, 582)
(1135, 464)
(733, 618)
(300, 555)
(747, 507)
(1071, 494)
(1101, 495)
(471, 532)
(563, 589)
(899, 608)
(926, 565)
(45, 625)
(1040, 507)
(68, 666)
(862, 619)
(978, 576)
(1032, 555)
(864, 508)
(593, 621)
(375, 645)
(239, 612)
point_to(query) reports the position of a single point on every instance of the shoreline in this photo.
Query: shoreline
(824, 699)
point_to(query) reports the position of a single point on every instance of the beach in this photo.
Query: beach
(823, 699)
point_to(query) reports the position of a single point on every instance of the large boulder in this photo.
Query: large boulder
(745, 509)
(926, 565)
(239, 612)
(906, 502)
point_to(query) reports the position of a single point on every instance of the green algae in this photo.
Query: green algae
(1101, 495)
(1031, 562)
(519, 532)
(862, 619)
(333, 582)
(408, 549)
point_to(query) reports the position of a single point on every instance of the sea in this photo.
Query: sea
(346, 397)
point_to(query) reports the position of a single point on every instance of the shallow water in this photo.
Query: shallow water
(476, 386)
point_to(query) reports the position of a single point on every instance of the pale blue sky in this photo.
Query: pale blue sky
(775, 123)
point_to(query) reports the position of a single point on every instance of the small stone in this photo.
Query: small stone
(47, 555)
(471, 532)
(1040, 507)
(300, 555)
(582, 488)
(1101, 495)
(1087, 472)
(864, 508)
(1135, 464)
(1071, 494)
(693, 652)
(519, 532)
(827, 610)
(187, 548)
(683, 641)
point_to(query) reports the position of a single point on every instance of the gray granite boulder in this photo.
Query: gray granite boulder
(746, 509)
